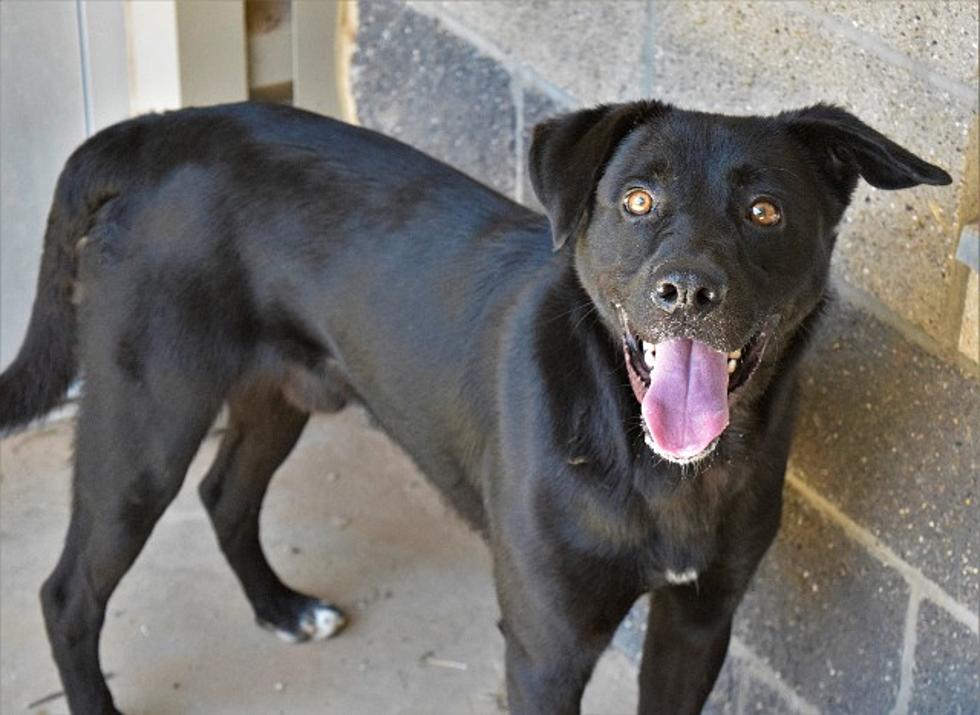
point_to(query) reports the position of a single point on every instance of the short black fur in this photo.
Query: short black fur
(281, 263)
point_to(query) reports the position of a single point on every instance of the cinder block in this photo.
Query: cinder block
(592, 50)
(947, 668)
(940, 35)
(761, 57)
(826, 616)
(759, 697)
(888, 433)
(412, 79)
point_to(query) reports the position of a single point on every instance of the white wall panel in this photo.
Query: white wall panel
(42, 120)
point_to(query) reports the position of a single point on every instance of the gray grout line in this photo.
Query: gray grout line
(906, 681)
(741, 687)
(873, 306)
(915, 578)
(762, 671)
(965, 94)
(517, 99)
(492, 50)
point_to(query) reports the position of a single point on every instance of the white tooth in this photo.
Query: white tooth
(735, 354)
(731, 366)
(648, 354)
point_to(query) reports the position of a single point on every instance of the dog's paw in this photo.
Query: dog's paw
(312, 620)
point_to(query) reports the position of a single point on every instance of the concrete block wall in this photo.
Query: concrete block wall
(867, 603)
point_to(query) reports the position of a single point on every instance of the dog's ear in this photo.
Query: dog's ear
(568, 155)
(846, 148)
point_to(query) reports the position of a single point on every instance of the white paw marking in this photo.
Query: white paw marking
(318, 622)
(679, 577)
(322, 621)
(287, 636)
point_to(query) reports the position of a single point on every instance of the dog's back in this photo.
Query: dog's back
(172, 214)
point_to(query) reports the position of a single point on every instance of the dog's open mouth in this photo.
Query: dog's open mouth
(684, 387)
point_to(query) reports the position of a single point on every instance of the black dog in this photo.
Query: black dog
(608, 402)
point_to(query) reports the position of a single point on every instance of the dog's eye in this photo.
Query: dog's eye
(765, 213)
(638, 202)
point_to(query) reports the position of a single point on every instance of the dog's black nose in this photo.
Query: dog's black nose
(689, 291)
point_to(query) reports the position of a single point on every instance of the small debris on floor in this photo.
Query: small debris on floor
(428, 658)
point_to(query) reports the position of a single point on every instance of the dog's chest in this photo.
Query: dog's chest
(680, 551)
(685, 535)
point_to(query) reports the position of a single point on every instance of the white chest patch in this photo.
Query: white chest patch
(679, 577)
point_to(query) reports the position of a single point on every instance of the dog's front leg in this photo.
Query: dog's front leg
(558, 615)
(687, 637)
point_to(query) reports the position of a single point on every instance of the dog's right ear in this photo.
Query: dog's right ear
(568, 155)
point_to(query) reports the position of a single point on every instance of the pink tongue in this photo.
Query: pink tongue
(686, 406)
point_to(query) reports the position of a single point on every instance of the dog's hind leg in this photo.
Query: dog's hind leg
(133, 447)
(263, 428)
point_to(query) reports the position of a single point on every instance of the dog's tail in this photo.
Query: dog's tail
(38, 378)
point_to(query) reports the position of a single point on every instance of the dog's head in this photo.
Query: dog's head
(704, 241)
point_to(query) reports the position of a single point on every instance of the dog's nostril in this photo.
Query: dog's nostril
(667, 292)
(705, 296)
(692, 293)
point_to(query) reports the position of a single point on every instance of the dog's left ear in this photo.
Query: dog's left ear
(847, 147)
(568, 155)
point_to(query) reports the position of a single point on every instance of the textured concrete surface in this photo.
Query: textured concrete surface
(828, 617)
(947, 670)
(594, 51)
(414, 81)
(760, 698)
(940, 35)
(889, 434)
(347, 518)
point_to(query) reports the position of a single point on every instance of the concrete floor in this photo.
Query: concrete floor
(348, 518)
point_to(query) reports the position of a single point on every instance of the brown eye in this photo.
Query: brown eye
(638, 202)
(764, 213)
